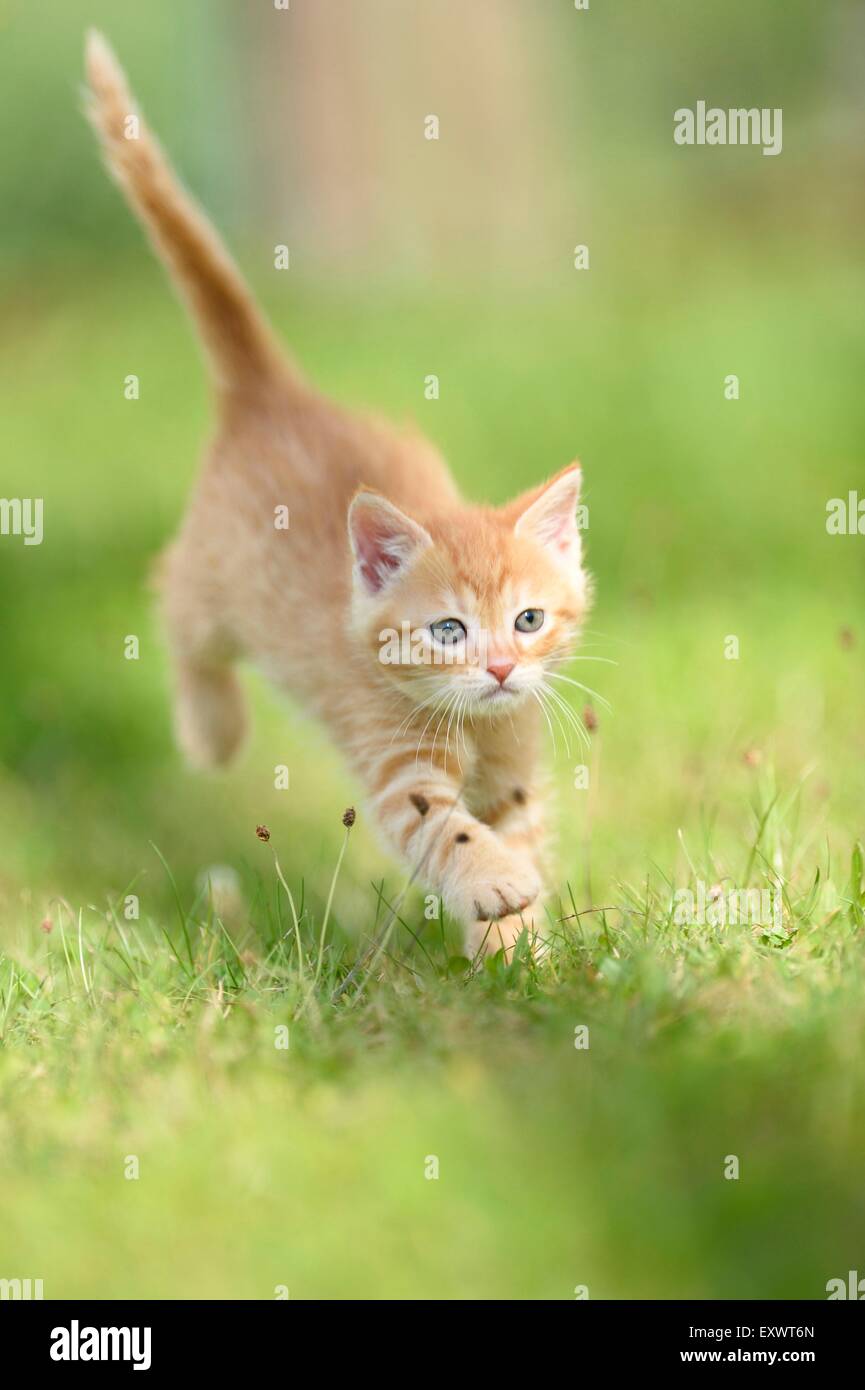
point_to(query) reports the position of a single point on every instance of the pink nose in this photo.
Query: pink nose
(501, 670)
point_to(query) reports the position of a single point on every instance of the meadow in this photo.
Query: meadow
(194, 1102)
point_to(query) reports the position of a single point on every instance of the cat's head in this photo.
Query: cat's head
(475, 604)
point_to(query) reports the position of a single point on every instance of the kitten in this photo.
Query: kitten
(446, 739)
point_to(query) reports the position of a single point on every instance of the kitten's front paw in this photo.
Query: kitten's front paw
(495, 887)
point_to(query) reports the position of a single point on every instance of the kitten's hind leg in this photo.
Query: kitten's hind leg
(209, 706)
(209, 711)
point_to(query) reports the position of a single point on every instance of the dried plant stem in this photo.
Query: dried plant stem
(329, 904)
(294, 917)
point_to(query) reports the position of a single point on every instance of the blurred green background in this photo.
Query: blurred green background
(453, 257)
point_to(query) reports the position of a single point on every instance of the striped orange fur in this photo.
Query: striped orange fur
(378, 542)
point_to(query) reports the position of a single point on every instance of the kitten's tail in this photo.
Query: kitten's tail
(243, 354)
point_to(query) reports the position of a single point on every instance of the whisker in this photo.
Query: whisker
(537, 696)
(461, 726)
(555, 700)
(454, 711)
(546, 694)
(450, 701)
(587, 689)
(579, 656)
(570, 714)
(415, 709)
(435, 711)
(441, 706)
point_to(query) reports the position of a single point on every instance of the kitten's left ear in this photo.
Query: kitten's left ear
(548, 515)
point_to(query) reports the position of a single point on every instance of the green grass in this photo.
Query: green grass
(304, 1165)
(559, 1167)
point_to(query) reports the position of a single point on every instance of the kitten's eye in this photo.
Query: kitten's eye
(530, 620)
(448, 630)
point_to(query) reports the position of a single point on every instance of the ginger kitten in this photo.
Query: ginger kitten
(446, 736)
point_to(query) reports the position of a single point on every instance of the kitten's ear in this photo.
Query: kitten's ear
(383, 540)
(548, 515)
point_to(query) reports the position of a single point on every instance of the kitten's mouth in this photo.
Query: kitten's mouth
(500, 692)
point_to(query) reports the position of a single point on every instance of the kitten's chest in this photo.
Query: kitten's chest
(475, 777)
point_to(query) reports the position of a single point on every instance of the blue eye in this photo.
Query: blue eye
(447, 631)
(530, 620)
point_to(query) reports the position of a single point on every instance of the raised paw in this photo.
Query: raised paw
(492, 886)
